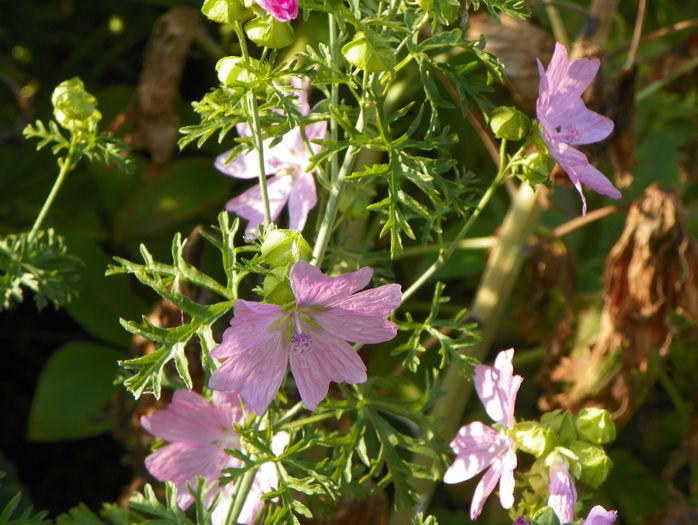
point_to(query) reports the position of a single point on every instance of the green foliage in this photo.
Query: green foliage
(72, 393)
(40, 263)
(165, 280)
(25, 517)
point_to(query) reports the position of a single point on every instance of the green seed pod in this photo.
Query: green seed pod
(231, 71)
(282, 248)
(73, 107)
(509, 123)
(562, 424)
(596, 425)
(535, 168)
(226, 11)
(267, 31)
(595, 463)
(533, 438)
(360, 53)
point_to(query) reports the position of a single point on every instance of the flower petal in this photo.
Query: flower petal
(243, 166)
(579, 125)
(182, 462)
(561, 491)
(506, 482)
(249, 204)
(313, 288)
(249, 326)
(328, 358)
(255, 372)
(484, 488)
(497, 388)
(600, 516)
(187, 418)
(227, 405)
(301, 200)
(567, 79)
(282, 10)
(476, 446)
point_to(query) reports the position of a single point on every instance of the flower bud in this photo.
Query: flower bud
(285, 247)
(277, 287)
(546, 516)
(360, 53)
(596, 425)
(562, 424)
(267, 31)
(73, 107)
(595, 463)
(226, 11)
(509, 123)
(533, 438)
(232, 70)
(535, 168)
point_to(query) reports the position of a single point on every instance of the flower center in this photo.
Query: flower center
(300, 342)
(568, 133)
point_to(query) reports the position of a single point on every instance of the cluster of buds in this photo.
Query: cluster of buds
(74, 108)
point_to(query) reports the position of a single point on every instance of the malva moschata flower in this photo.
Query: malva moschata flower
(313, 335)
(600, 516)
(478, 446)
(288, 162)
(199, 433)
(566, 121)
(562, 493)
(282, 10)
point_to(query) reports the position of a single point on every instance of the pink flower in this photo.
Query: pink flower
(288, 161)
(198, 434)
(561, 491)
(282, 10)
(566, 121)
(262, 338)
(600, 516)
(479, 447)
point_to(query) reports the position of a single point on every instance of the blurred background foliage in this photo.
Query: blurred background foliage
(146, 60)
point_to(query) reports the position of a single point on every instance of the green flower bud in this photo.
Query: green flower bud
(545, 516)
(596, 425)
(594, 462)
(282, 248)
(449, 9)
(535, 168)
(267, 31)
(360, 53)
(509, 123)
(533, 438)
(562, 424)
(232, 70)
(277, 287)
(73, 107)
(226, 11)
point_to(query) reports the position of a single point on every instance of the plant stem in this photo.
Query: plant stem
(242, 489)
(256, 132)
(444, 256)
(66, 166)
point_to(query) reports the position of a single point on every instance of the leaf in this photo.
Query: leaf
(72, 392)
(25, 517)
(79, 515)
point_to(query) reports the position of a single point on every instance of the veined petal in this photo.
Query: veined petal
(497, 388)
(561, 491)
(244, 166)
(506, 481)
(256, 372)
(315, 131)
(484, 488)
(182, 462)
(376, 301)
(249, 205)
(327, 358)
(187, 418)
(282, 10)
(476, 446)
(313, 288)
(227, 405)
(301, 200)
(249, 326)
(567, 79)
(600, 516)
(580, 125)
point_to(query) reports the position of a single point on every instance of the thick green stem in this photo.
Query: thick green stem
(242, 489)
(66, 167)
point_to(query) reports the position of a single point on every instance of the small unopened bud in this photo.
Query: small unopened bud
(277, 288)
(533, 438)
(226, 11)
(535, 168)
(267, 31)
(596, 425)
(360, 53)
(509, 123)
(73, 107)
(232, 70)
(285, 247)
(595, 463)
(562, 424)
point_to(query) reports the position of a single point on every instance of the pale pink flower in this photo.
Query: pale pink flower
(566, 121)
(479, 447)
(282, 10)
(313, 335)
(199, 433)
(288, 162)
(561, 491)
(600, 516)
